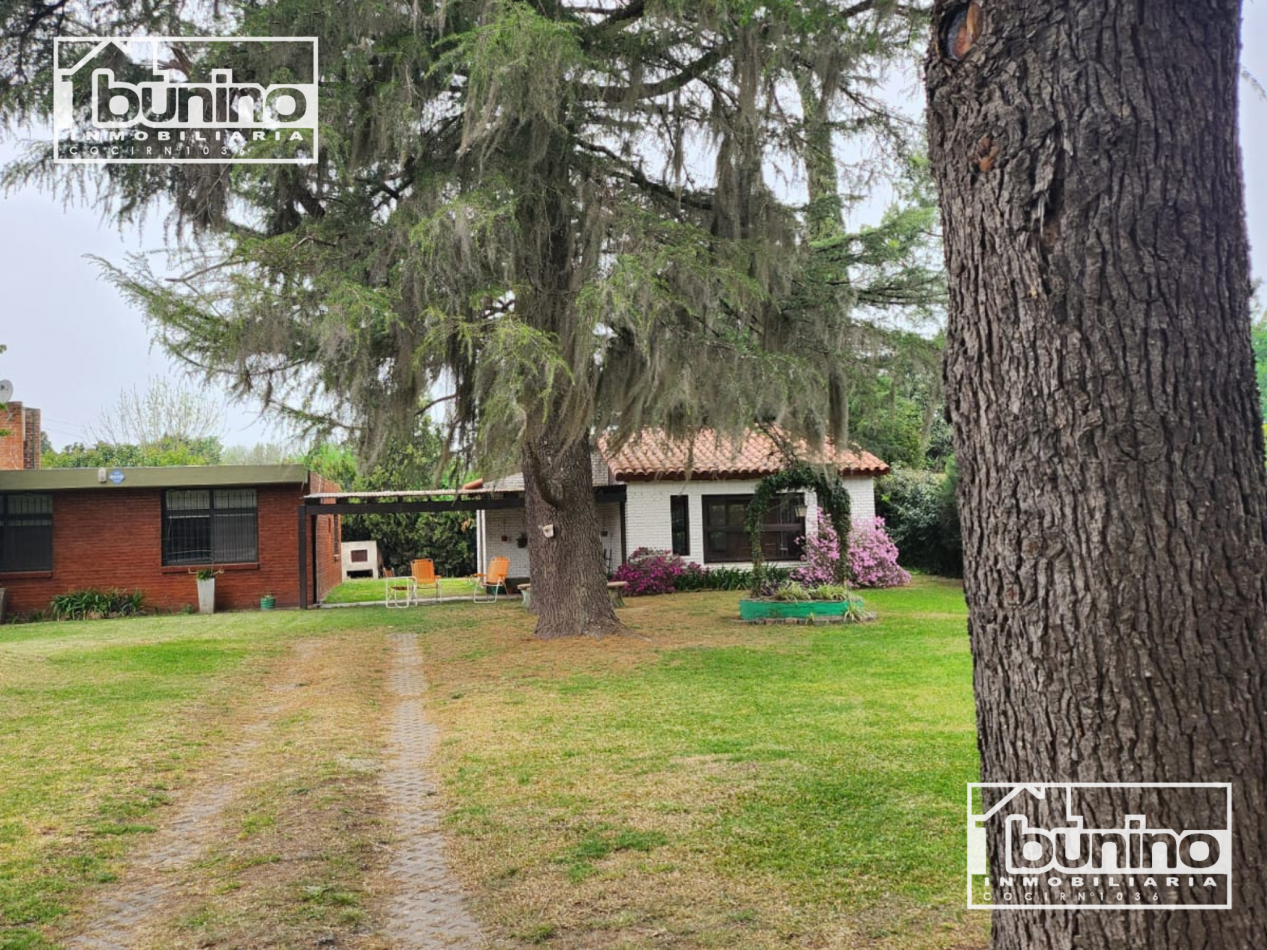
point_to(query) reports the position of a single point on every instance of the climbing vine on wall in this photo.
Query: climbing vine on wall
(832, 497)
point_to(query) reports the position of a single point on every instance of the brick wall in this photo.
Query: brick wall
(113, 538)
(12, 420)
(328, 530)
(31, 440)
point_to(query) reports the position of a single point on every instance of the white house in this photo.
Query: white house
(687, 498)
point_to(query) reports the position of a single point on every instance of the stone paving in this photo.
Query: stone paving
(427, 910)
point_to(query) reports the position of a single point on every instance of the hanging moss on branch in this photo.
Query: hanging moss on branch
(832, 496)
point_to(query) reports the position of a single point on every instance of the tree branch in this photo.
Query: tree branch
(614, 95)
(637, 176)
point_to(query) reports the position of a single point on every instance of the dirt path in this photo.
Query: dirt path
(166, 880)
(427, 910)
(152, 878)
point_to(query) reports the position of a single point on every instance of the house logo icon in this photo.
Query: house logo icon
(188, 100)
(1099, 846)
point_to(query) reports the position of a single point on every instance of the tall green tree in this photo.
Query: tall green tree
(1107, 431)
(553, 215)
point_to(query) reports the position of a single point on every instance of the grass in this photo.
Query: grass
(106, 723)
(728, 785)
(700, 784)
(370, 591)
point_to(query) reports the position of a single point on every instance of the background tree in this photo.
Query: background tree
(109, 454)
(557, 212)
(166, 410)
(1106, 427)
(404, 464)
(922, 517)
(262, 453)
(1258, 338)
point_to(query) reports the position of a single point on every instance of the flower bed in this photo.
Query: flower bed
(802, 611)
(794, 601)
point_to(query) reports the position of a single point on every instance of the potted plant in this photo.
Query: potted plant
(268, 602)
(207, 590)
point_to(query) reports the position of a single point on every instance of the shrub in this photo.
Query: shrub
(693, 577)
(820, 556)
(794, 591)
(873, 557)
(93, 604)
(649, 571)
(922, 518)
(833, 592)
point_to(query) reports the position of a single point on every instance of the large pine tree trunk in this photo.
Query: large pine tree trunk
(1100, 383)
(569, 577)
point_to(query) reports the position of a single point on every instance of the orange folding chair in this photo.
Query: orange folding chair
(493, 579)
(423, 572)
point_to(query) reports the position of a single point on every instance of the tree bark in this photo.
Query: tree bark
(569, 578)
(1100, 383)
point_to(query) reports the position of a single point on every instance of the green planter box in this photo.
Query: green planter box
(791, 609)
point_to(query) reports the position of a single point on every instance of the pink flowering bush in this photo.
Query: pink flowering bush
(649, 571)
(873, 557)
(819, 556)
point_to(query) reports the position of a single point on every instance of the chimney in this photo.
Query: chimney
(31, 441)
(13, 442)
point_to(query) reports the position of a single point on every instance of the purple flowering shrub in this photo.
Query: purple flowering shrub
(649, 571)
(819, 556)
(873, 557)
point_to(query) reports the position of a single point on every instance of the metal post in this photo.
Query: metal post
(303, 557)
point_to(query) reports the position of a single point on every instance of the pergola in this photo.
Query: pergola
(408, 502)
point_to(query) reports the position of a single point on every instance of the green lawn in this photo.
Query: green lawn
(738, 784)
(367, 590)
(702, 783)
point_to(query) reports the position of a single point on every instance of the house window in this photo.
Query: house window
(679, 519)
(726, 539)
(210, 526)
(26, 533)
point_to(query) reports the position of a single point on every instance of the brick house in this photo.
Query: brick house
(151, 528)
(688, 498)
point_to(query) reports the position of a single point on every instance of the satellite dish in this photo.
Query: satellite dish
(6, 390)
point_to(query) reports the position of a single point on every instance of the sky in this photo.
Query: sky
(74, 343)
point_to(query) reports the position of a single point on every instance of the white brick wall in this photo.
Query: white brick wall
(647, 519)
(508, 523)
(647, 512)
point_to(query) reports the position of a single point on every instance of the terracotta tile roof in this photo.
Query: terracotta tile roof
(653, 456)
